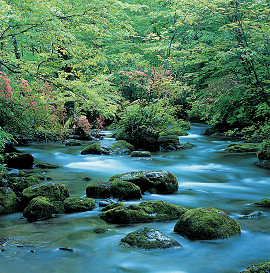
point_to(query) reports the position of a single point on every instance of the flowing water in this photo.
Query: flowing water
(208, 177)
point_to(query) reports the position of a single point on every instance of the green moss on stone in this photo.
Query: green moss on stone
(265, 202)
(140, 154)
(122, 144)
(58, 207)
(52, 191)
(47, 166)
(263, 267)
(114, 205)
(155, 182)
(125, 191)
(93, 148)
(100, 230)
(143, 212)
(206, 224)
(19, 160)
(8, 200)
(242, 148)
(39, 208)
(76, 204)
(98, 190)
(149, 238)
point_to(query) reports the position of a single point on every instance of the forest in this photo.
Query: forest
(147, 70)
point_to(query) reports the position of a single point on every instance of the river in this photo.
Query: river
(208, 177)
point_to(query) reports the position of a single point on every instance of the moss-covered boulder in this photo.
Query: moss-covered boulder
(97, 189)
(265, 202)
(143, 212)
(52, 191)
(18, 182)
(263, 267)
(116, 189)
(59, 207)
(19, 160)
(141, 154)
(112, 206)
(206, 224)
(168, 142)
(39, 208)
(8, 200)
(77, 204)
(122, 147)
(242, 148)
(47, 166)
(149, 238)
(186, 146)
(155, 182)
(94, 148)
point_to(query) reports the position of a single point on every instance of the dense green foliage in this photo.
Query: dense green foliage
(77, 65)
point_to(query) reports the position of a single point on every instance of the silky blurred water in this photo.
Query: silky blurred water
(208, 177)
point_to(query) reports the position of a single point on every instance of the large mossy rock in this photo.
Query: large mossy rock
(19, 160)
(8, 200)
(94, 148)
(77, 204)
(263, 267)
(143, 212)
(19, 182)
(122, 147)
(168, 142)
(149, 238)
(52, 191)
(39, 208)
(242, 148)
(265, 202)
(116, 189)
(263, 158)
(206, 224)
(154, 182)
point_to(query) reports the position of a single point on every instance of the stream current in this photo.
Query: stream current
(208, 177)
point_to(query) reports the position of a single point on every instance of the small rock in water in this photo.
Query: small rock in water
(87, 178)
(100, 230)
(254, 214)
(66, 249)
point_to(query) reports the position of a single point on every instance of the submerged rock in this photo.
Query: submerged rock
(154, 182)
(116, 189)
(146, 211)
(100, 230)
(206, 224)
(8, 200)
(263, 267)
(52, 191)
(149, 238)
(263, 163)
(265, 202)
(72, 143)
(38, 208)
(140, 154)
(19, 160)
(76, 204)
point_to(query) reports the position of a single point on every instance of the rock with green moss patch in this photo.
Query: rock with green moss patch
(263, 267)
(263, 154)
(8, 200)
(206, 224)
(72, 142)
(77, 204)
(52, 191)
(116, 189)
(186, 146)
(146, 211)
(100, 230)
(140, 154)
(39, 208)
(168, 142)
(265, 202)
(59, 207)
(149, 238)
(263, 164)
(122, 147)
(47, 166)
(94, 148)
(112, 206)
(242, 148)
(19, 160)
(19, 182)
(163, 182)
